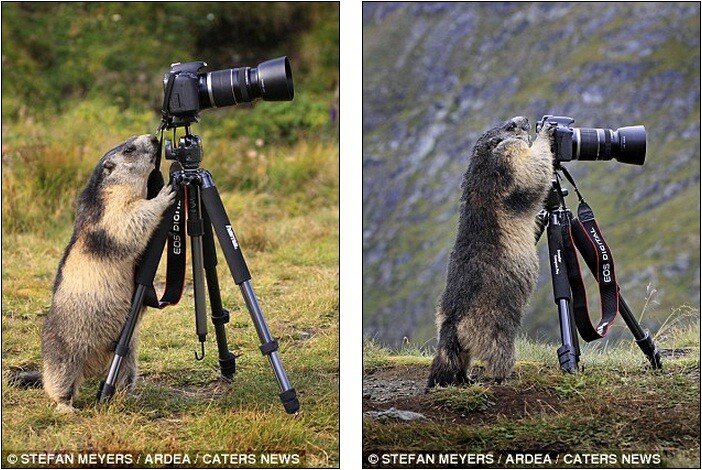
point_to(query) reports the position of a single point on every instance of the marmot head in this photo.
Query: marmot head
(517, 127)
(129, 163)
(126, 166)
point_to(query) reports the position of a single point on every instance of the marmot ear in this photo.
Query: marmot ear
(108, 166)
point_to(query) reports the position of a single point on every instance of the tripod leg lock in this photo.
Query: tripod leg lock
(650, 350)
(222, 318)
(195, 227)
(289, 400)
(269, 347)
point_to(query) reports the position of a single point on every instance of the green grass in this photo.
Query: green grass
(616, 403)
(463, 399)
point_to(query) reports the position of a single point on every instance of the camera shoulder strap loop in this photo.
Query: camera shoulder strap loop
(155, 181)
(590, 242)
(570, 179)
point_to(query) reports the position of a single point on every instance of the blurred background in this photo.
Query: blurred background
(81, 77)
(436, 75)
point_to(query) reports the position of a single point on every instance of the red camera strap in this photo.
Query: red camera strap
(585, 235)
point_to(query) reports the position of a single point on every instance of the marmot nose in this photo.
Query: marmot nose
(149, 138)
(147, 141)
(520, 122)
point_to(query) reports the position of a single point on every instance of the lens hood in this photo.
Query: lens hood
(275, 80)
(631, 145)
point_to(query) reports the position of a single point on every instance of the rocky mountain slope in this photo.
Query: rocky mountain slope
(435, 75)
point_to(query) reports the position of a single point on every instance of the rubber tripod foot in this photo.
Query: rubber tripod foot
(289, 400)
(568, 359)
(105, 392)
(227, 366)
(650, 350)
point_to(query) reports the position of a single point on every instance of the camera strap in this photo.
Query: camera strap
(173, 229)
(584, 234)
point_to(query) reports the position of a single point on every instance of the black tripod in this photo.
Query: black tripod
(204, 211)
(556, 218)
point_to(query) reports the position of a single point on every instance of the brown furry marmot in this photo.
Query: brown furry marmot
(493, 266)
(95, 281)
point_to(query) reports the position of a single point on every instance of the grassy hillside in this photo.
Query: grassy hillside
(615, 405)
(437, 75)
(78, 79)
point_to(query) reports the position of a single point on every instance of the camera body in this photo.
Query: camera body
(182, 92)
(562, 135)
(626, 144)
(187, 90)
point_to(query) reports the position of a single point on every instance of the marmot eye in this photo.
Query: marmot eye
(130, 149)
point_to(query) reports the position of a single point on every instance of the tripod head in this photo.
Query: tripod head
(188, 152)
(553, 203)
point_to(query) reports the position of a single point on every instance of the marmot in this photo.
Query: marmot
(93, 289)
(493, 266)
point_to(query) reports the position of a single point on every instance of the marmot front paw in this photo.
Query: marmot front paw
(167, 195)
(546, 134)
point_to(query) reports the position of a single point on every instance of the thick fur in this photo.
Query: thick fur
(95, 279)
(493, 266)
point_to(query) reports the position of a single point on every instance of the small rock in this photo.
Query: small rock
(304, 335)
(394, 413)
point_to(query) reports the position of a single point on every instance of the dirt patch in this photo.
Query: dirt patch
(387, 385)
(403, 387)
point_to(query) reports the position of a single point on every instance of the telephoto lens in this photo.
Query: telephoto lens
(270, 81)
(626, 144)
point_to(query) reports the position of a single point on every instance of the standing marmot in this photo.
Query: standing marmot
(493, 266)
(95, 280)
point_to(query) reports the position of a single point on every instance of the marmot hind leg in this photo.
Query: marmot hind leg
(61, 382)
(499, 355)
(489, 335)
(451, 361)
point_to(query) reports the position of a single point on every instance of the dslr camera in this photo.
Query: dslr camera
(626, 144)
(187, 90)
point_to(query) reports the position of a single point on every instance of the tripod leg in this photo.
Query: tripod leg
(642, 337)
(220, 316)
(574, 332)
(242, 277)
(568, 352)
(108, 386)
(195, 231)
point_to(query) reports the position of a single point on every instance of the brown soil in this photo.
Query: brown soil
(403, 387)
